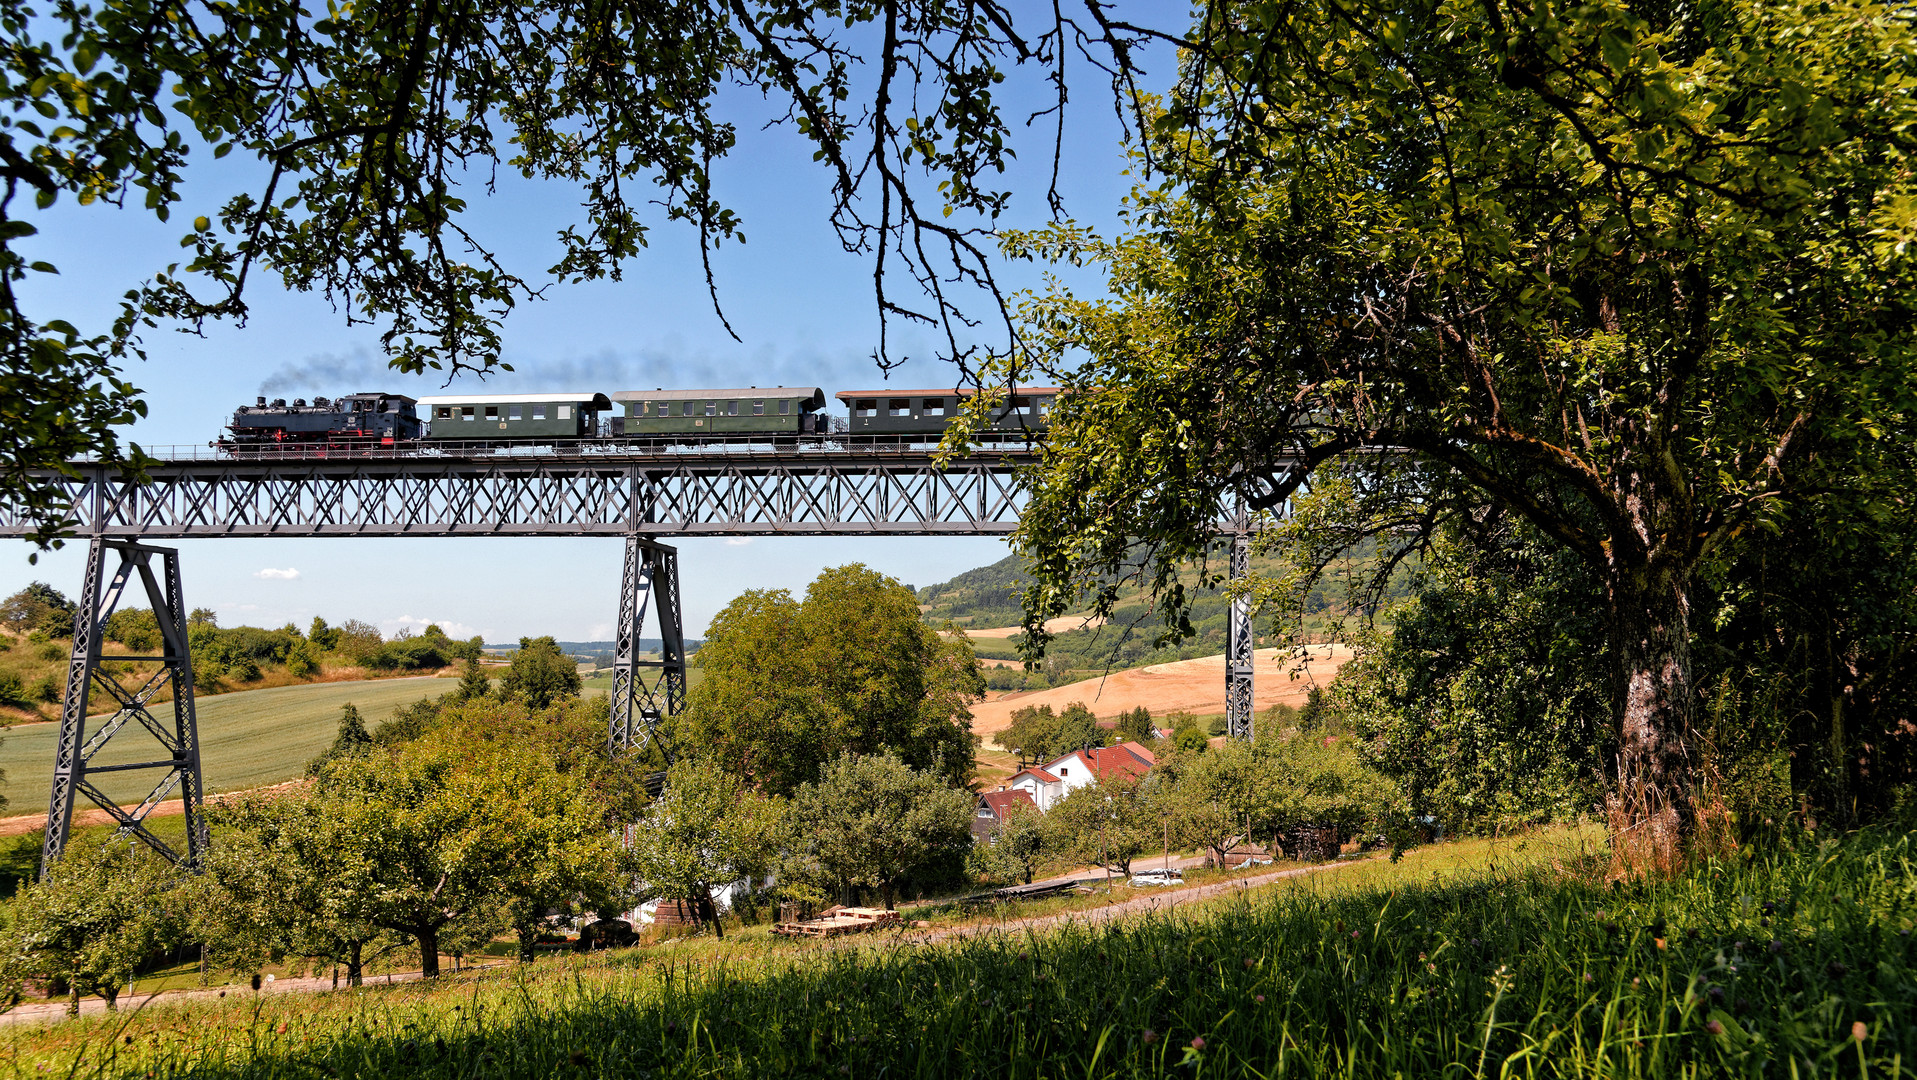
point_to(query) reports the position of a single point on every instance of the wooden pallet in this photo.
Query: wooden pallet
(839, 920)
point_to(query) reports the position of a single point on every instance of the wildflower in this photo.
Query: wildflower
(1603, 914)
(1198, 1042)
(1259, 998)
(1634, 982)
(1714, 1027)
(1587, 977)
(1150, 1036)
(1859, 1031)
(1659, 942)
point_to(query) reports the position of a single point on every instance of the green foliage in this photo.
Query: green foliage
(1371, 971)
(1488, 701)
(353, 739)
(791, 685)
(540, 674)
(409, 653)
(1269, 789)
(706, 830)
(1136, 726)
(1112, 821)
(323, 637)
(301, 663)
(874, 823)
(135, 627)
(1035, 734)
(1012, 853)
(36, 607)
(106, 907)
(473, 680)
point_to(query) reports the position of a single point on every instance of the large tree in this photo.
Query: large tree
(706, 830)
(790, 685)
(1624, 270)
(873, 822)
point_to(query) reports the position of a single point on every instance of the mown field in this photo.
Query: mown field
(1512, 963)
(247, 739)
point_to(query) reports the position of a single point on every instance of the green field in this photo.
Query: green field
(247, 739)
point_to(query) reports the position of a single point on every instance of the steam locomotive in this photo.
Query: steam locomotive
(641, 419)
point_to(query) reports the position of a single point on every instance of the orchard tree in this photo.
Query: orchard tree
(1623, 270)
(706, 830)
(1015, 848)
(1110, 821)
(106, 907)
(1036, 734)
(791, 685)
(873, 822)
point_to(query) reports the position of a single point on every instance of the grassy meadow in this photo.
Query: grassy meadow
(1461, 960)
(247, 739)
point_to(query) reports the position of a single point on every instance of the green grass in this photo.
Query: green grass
(603, 682)
(247, 739)
(1439, 966)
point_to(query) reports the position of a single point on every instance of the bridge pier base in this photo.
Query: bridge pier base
(73, 757)
(1239, 642)
(644, 692)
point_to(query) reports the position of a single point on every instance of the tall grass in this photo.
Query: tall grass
(1793, 964)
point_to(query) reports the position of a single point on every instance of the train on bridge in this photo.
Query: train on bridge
(658, 419)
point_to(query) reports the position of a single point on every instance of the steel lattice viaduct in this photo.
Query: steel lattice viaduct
(644, 498)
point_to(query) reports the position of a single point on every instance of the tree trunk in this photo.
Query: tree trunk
(1654, 806)
(528, 938)
(112, 996)
(73, 1000)
(355, 968)
(710, 912)
(428, 938)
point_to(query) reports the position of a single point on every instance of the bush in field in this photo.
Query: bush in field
(104, 908)
(135, 627)
(540, 674)
(13, 693)
(874, 823)
(301, 663)
(408, 653)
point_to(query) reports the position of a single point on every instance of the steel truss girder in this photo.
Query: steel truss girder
(1240, 642)
(644, 692)
(179, 742)
(703, 496)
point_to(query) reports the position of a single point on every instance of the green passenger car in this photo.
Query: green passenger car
(702, 414)
(512, 417)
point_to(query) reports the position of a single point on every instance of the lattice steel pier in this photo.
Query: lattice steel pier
(73, 765)
(644, 692)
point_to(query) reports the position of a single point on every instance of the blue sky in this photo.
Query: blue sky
(803, 308)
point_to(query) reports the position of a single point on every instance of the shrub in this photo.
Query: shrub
(47, 689)
(244, 668)
(300, 662)
(12, 693)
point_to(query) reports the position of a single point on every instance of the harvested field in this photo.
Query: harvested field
(1195, 686)
(1061, 625)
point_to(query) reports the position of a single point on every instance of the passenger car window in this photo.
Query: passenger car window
(934, 406)
(732, 408)
(442, 412)
(565, 412)
(539, 412)
(758, 408)
(466, 412)
(785, 407)
(899, 406)
(865, 406)
(492, 412)
(512, 412)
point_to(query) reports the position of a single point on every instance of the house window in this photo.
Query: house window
(899, 406)
(466, 412)
(565, 412)
(758, 408)
(934, 406)
(985, 811)
(513, 412)
(865, 407)
(1064, 772)
(492, 412)
(442, 412)
(539, 412)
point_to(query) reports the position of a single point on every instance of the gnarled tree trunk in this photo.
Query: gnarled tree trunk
(1653, 807)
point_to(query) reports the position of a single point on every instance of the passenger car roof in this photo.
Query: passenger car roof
(597, 400)
(811, 394)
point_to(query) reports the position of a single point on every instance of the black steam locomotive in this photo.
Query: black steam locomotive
(643, 419)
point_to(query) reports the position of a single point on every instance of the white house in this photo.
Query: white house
(1046, 784)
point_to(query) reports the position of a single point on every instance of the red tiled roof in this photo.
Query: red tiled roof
(1117, 760)
(1041, 774)
(1139, 751)
(1001, 802)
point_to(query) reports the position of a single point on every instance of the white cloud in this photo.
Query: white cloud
(270, 574)
(407, 622)
(738, 541)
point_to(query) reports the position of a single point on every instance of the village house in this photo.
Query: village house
(1046, 784)
(993, 807)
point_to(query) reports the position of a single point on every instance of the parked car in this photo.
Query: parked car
(1157, 877)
